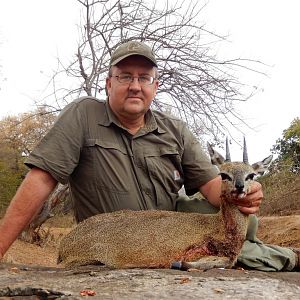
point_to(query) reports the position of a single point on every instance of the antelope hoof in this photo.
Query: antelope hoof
(180, 265)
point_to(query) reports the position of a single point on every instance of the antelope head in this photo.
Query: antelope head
(237, 176)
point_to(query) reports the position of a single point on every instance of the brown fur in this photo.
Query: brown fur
(152, 239)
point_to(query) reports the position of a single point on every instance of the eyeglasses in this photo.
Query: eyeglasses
(127, 79)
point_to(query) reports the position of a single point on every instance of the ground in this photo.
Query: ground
(35, 274)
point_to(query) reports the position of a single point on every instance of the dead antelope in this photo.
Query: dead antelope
(164, 239)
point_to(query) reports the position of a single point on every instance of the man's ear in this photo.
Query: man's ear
(107, 86)
(156, 84)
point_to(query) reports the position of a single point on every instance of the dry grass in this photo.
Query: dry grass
(61, 221)
(282, 194)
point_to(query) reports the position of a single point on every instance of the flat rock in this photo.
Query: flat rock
(28, 281)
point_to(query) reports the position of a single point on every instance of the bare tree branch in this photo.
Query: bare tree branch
(195, 84)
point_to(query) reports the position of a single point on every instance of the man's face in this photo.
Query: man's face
(131, 100)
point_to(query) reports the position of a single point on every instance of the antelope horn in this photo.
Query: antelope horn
(245, 153)
(227, 159)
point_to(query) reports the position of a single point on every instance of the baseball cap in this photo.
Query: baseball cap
(132, 48)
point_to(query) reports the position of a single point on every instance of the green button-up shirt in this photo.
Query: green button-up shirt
(109, 169)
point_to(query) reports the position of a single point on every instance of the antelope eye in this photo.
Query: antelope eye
(225, 176)
(250, 176)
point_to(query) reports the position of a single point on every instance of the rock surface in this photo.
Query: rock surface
(27, 282)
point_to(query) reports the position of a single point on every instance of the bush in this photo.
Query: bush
(9, 183)
(281, 193)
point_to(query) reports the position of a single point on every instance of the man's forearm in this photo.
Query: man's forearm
(212, 191)
(27, 202)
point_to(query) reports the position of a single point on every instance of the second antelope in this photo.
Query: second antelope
(164, 239)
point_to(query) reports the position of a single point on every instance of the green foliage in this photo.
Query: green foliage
(12, 170)
(282, 184)
(288, 147)
(10, 179)
(18, 136)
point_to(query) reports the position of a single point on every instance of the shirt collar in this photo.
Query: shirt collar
(151, 123)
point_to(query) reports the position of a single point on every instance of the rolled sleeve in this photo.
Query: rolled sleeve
(59, 151)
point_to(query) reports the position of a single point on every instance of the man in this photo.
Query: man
(119, 154)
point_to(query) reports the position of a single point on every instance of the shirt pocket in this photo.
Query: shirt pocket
(107, 161)
(166, 175)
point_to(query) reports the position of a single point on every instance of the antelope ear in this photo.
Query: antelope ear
(215, 157)
(262, 166)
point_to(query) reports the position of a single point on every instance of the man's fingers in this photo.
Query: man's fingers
(251, 202)
(250, 206)
(249, 210)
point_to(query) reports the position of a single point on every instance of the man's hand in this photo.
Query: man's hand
(250, 204)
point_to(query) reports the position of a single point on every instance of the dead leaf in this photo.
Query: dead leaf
(185, 280)
(218, 290)
(87, 293)
(14, 270)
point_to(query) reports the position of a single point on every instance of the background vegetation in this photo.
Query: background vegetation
(282, 183)
(18, 136)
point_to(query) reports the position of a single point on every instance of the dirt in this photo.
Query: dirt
(34, 271)
(42, 255)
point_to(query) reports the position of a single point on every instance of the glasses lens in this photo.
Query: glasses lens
(146, 80)
(143, 80)
(124, 78)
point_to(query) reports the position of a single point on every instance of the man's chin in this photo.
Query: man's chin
(135, 109)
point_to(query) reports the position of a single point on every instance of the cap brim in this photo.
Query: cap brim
(130, 54)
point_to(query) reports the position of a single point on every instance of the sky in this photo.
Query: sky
(267, 31)
(33, 33)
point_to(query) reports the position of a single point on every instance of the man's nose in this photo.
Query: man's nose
(135, 84)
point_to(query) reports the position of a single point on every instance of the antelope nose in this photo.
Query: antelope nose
(239, 185)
